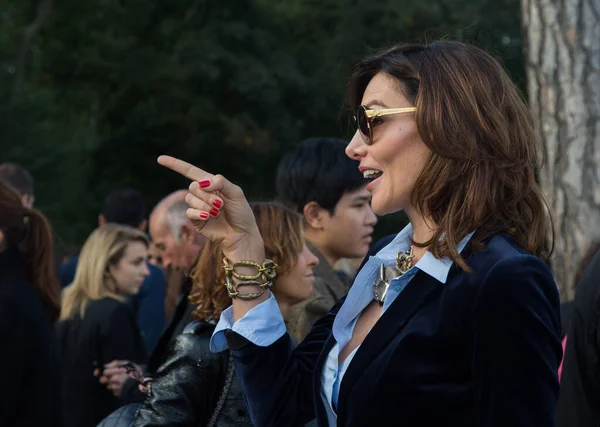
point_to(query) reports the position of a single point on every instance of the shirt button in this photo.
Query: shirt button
(334, 375)
(398, 288)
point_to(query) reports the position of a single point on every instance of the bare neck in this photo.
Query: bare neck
(313, 237)
(423, 230)
(284, 308)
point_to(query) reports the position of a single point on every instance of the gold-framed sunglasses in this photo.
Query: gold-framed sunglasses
(364, 118)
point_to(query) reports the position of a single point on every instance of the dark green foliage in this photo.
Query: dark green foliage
(111, 84)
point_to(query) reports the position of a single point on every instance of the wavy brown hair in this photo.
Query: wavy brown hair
(481, 173)
(281, 230)
(30, 232)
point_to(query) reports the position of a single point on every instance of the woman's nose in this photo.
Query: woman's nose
(356, 148)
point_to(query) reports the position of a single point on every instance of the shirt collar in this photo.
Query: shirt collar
(438, 268)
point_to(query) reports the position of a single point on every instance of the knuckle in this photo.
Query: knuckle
(218, 180)
(189, 198)
(238, 191)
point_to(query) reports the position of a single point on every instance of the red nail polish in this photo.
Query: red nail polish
(214, 212)
(217, 204)
(204, 184)
(203, 215)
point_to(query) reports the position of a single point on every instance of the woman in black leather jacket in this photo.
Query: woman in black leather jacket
(195, 387)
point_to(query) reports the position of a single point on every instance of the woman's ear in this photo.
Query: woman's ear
(109, 280)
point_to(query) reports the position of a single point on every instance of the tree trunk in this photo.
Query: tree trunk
(562, 41)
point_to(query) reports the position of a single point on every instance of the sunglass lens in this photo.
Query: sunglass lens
(363, 124)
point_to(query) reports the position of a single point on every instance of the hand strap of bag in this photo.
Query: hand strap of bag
(226, 386)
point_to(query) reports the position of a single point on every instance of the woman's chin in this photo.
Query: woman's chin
(377, 210)
(379, 205)
(383, 206)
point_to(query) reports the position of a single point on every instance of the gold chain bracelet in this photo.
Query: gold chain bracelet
(233, 289)
(265, 271)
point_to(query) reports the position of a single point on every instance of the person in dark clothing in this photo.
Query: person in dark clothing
(130, 387)
(567, 307)
(182, 316)
(20, 180)
(127, 207)
(195, 387)
(178, 245)
(566, 313)
(96, 325)
(29, 304)
(579, 386)
(190, 384)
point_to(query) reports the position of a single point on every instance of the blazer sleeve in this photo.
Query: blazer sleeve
(516, 344)
(184, 387)
(278, 381)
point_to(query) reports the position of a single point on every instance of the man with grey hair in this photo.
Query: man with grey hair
(175, 238)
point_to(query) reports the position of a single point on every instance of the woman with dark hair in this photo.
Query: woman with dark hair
(454, 321)
(195, 387)
(29, 305)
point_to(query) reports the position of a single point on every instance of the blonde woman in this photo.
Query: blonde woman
(96, 325)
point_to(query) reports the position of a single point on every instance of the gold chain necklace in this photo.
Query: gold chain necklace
(404, 260)
(381, 285)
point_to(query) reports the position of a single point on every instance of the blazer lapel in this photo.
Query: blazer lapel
(405, 306)
(320, 411)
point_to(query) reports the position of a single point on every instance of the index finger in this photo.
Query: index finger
(184, 168)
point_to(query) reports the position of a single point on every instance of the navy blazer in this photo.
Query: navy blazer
(481, 350)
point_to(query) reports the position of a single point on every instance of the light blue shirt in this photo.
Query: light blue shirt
(263, 324)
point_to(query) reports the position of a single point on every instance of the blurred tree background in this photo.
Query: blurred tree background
(93, 91)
